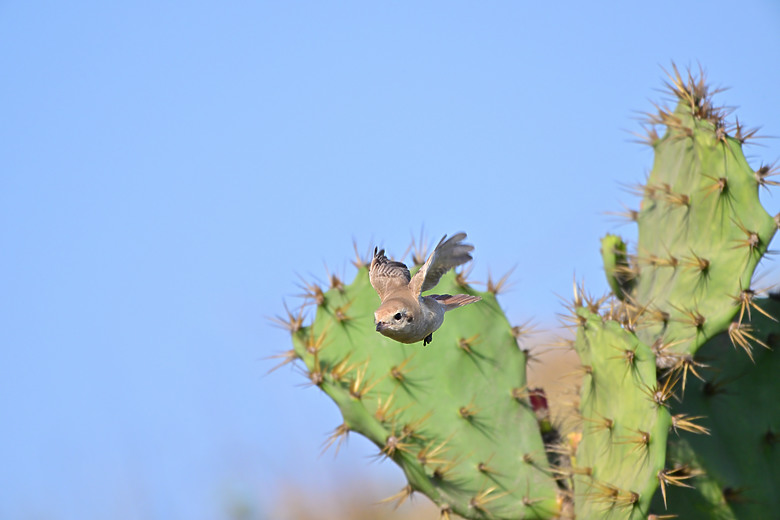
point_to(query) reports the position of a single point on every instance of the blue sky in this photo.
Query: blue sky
(167, 170)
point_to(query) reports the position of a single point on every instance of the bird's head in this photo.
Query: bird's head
(394, 320)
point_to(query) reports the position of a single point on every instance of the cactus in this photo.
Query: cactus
(702, 229)
(734, 470)
(455, 416)
(702, 232)
(625, 422)
(459, 420)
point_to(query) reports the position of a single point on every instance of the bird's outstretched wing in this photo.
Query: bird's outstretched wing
(386, 275)
(453, 301)
(447, 255)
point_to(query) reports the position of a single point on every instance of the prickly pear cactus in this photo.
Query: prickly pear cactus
(734, 470)
(459, 420)
(625, 422)
(702, 229)
(454, 415)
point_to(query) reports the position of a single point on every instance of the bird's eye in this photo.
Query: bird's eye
(409, 319)
(397, 316)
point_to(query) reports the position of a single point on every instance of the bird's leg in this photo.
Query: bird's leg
(428, 339)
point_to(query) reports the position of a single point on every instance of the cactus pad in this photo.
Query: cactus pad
(625, 422)
(454, 415)
(702, 229)
(735, 469)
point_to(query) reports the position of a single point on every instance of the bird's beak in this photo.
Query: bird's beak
(379, 326)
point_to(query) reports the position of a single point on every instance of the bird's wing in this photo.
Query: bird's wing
(453, 301)
(447, 255)
(386, 275)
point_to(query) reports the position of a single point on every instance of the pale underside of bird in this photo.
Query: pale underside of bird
(404, 314)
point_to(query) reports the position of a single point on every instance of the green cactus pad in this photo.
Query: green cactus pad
(735, 469)
(625, 422)
(617, 266)
(702, 229)
(454, 415)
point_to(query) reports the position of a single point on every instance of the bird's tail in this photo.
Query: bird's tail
(454, 301)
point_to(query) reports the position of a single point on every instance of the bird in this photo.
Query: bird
(404, 314)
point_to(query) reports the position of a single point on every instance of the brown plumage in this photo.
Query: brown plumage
(404, 314)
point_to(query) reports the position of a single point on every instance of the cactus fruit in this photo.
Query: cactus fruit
(455, 415)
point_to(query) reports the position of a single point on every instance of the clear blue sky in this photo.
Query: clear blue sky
(167, 168)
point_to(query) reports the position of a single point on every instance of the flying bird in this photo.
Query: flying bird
(404, 314)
